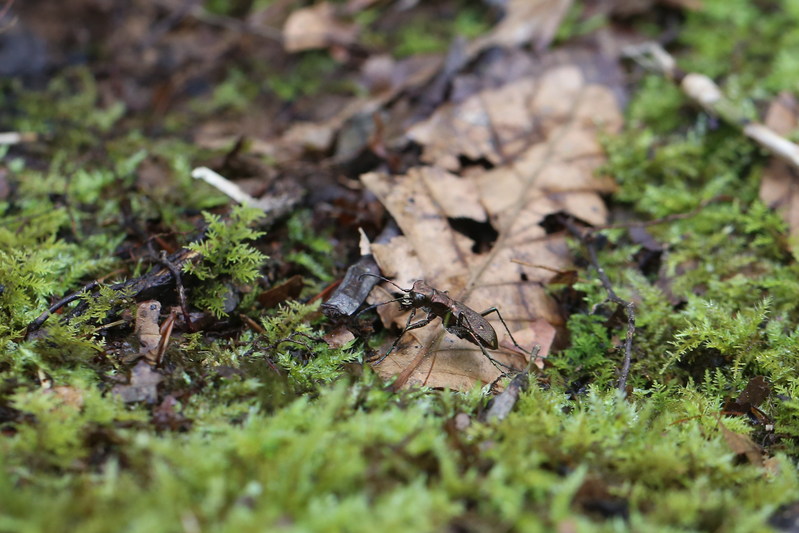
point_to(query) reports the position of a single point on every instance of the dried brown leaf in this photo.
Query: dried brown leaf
(316, 27)
(143, 384)
(542, 135)
(288, 290)
(742, 445)
(779, 186)
(69, 395)
(525, 21)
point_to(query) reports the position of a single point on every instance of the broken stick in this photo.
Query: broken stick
(704, 91)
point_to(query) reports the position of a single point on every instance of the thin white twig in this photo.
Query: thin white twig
(235, 192)
(704, 91)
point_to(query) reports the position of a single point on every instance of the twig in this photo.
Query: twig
(707, 94)
(184, 308)
(36, 324)
(503, 404)
(15, 137)
(273, 206)
(588, 241)
(359, 280)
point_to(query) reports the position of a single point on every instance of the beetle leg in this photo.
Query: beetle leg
(408, 326)
(466, 327)
(495, 310)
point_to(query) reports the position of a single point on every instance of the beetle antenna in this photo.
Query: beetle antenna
(365, 309)
(384, 279)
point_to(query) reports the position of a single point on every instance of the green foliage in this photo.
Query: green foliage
(757, 50)
(306, 467)
(306, 78)
(721, 309)
(227, 257)
(470, 23)
(236, 93)
(59, 109)
(308, 249)
(313, 444)
(710, 326)
(589, 349)
(426, 34)
(418, 39)
(361, 458)
(638, 452)
(290, 330)
(574, 24)
(37, 265)
(60, 423)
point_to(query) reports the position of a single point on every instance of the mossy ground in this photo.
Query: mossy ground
(324, 446)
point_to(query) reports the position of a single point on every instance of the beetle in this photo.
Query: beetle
(456, 317)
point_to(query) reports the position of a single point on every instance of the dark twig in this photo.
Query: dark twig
(36, 324)
(587, 238)
(359, 280)
(354, 289)
(138, 288)
(503, 404)
(184, 308)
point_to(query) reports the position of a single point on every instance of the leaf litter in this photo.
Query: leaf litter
(779, 186)
(539, 135)
(500, 157)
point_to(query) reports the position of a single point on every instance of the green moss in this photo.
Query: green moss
(307, 248)
(306, 78)
(227, 257)
(59, 426)
(276, 430)
(757, 49)
(394, 466)
(575, 25)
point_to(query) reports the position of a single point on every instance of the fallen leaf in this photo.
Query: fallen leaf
(755, 393)
(742, 445)
(338, 337)
(69, 395)
(541, 135)
(288, 290)
(316, 27)
(525, 21)
(779, 186)
(143, 384)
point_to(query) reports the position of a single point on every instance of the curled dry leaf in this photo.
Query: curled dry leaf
(779, 187)
(316, 27)
(525, 21)
(541, 135)
(69, 395)
(741, 444)
(142, 386)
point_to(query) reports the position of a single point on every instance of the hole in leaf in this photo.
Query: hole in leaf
(482, 233)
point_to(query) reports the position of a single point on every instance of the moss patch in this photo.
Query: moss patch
(266, 427)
